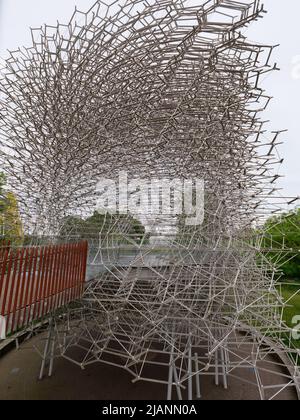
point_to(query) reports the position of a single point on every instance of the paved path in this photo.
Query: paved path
(19, 371)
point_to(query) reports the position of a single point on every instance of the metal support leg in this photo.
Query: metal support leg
(51, 356)
(46, 350)
(198, 390)
(217, 367)
(64, 343)
(179, 394)
(170, 379)
(224, 368)
(190, 373)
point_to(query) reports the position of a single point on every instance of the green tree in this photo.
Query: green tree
(2, 196)
(73, 227)
(282, 243)
(119, 226)
(10, 221)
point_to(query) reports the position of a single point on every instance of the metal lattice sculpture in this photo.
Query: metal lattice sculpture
(166, 89)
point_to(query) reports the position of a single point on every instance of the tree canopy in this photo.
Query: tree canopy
(121, 226)
(2, 197)
(10, 222)
(283, 237)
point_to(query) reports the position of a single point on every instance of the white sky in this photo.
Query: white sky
(279, 26)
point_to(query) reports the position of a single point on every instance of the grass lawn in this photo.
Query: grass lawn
(291, 294)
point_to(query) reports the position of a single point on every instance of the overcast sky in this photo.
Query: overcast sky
(279, 26)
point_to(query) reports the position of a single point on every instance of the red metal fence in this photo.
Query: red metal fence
(35, 281)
